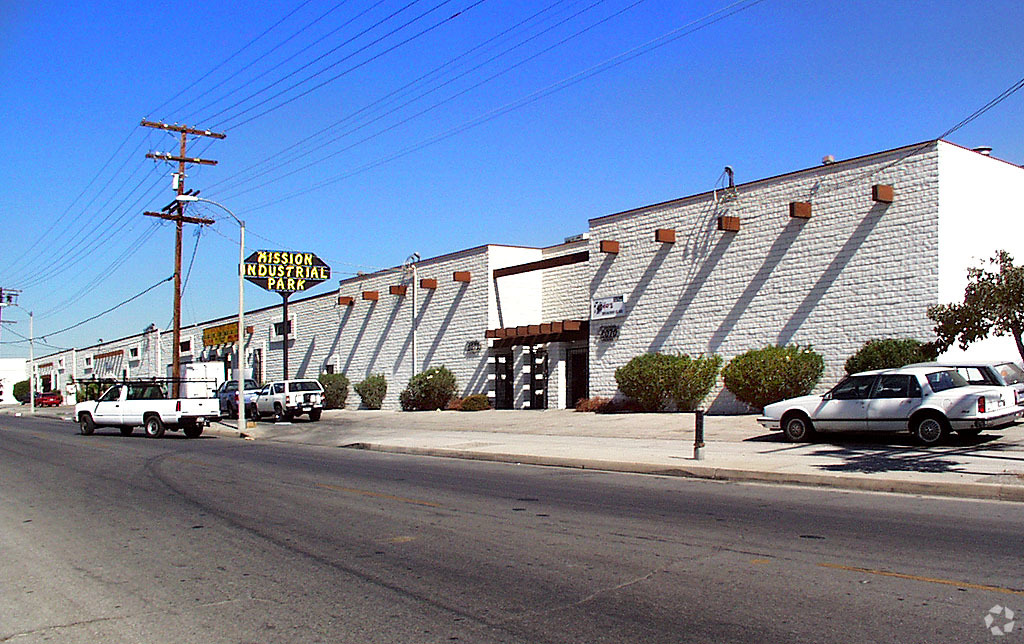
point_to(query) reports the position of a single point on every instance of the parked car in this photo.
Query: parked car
(227, 393)
(130, 404)
(49, 399)
(928, 401)
(995, 374)
(285, 399)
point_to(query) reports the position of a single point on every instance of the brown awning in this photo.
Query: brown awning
(561, 331)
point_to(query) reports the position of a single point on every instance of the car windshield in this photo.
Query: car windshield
(232, 385)
(304, 385)
(1010, 373)
(943, 380)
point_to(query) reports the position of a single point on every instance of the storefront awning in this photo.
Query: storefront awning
(561, 331)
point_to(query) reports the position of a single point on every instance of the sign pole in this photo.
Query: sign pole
(284, 298)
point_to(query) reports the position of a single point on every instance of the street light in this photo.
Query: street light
(31, 351)
(241, 303)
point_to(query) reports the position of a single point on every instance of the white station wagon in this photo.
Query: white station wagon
(927, 401)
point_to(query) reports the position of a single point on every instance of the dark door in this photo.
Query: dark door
(503, 380)
(538, 378)
(577, 383)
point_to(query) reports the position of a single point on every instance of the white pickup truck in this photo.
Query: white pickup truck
(130, 404)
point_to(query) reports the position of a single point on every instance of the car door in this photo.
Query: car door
(893, 398)
(108, 407)
(845, 407)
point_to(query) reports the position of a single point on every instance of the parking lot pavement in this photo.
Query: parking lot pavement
(989, 466)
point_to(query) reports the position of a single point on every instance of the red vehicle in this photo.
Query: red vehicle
(49, 399)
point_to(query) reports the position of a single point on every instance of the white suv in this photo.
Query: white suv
(285, 399)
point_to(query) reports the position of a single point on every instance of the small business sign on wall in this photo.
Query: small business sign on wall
(602, 308)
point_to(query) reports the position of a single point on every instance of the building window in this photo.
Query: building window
(133, 352)
(279, 328)
(329, 368)
(185, 346)
(88, 362)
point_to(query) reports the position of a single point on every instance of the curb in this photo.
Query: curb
(985, 491)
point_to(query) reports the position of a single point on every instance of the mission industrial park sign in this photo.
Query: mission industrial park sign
(285, 271)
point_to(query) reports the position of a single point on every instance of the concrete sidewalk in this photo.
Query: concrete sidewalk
(990, 466)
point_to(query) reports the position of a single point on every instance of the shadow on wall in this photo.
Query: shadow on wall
(385, 333)
(359, 337)
(337, 336)
(302, 371)
(772, 259)
(407, 345)
(445, 322)
(831, 272)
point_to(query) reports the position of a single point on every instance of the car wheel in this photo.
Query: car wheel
(929, 430)
(253, 413)
(154, 427)
(86, 424)
(969, 433)
(127, 431)
(315, 414)
(193, 431)
(797, 428)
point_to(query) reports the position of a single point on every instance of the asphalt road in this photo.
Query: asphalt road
(113, 539)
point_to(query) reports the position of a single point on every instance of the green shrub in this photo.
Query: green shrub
(476, 402)
(335, 389)
(595, 404)
(372, 391)
(762, 376)
(888, 353)
(695, 378)
(655, 379)
(648, 379)
(20, 391)
(90, 391)
(430, 389)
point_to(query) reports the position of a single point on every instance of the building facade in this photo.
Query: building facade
(829, 256)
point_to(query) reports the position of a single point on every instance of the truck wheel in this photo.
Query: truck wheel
(127, 431)
(193, 431)
(154, 427)
(86, 425)
(280, 415)
(315, 415)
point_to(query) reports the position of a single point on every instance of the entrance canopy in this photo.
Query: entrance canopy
(562, 331)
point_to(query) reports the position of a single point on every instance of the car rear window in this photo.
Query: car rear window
(943, 380)
(1011, 373)
(305, 385)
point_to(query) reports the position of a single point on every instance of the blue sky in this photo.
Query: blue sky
(769, 89)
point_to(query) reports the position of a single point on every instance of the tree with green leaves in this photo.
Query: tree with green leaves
(993, 305)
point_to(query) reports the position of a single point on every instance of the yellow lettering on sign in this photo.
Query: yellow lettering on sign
(308, 257)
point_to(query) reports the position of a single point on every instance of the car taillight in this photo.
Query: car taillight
(177, 406)
(981, 404)
(287, 400)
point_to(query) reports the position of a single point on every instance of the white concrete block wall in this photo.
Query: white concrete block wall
(981, 211)
(855, 270)
(514, 300)
(565, 289)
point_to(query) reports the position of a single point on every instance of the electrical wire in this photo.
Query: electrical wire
(609, 63)
(231, 57)
(350, 69)
(265, 166)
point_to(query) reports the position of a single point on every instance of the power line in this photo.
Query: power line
(232, 56)
(609, 63)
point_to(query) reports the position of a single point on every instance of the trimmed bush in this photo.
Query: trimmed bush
(694, 380)
(20, 391)
(90, 391)
(476, 402)
(595, 404)
(655, 379)
(335, 389)
(889, 353)
(428, 390)
(762, 376)
(648, 379)
(372, 391)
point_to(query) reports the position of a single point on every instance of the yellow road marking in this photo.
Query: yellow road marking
(401, 539)
(760, 561)
(932, 580)
(376, 495)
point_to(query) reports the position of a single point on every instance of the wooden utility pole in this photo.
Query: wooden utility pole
(176, 212)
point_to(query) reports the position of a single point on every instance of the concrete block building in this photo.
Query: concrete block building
(829, 256)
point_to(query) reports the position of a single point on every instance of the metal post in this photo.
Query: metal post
(31, 364)
(241, 328)
(698, 435)
(284, 296)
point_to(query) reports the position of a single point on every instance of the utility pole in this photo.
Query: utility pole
(176, 212)
(8, 297)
